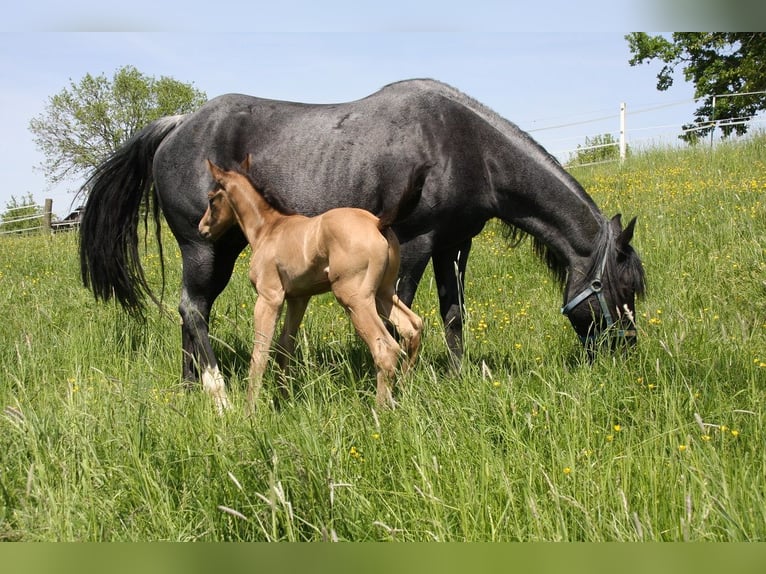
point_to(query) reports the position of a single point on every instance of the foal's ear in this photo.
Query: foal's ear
(215, 171)
(245, 165)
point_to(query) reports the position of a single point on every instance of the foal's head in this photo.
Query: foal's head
(219, 215)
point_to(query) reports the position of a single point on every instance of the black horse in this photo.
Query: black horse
(316, 157)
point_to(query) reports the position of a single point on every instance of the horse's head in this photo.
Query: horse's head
(600, 303)
(219, 215)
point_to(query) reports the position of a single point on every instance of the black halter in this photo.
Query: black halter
(597, 288)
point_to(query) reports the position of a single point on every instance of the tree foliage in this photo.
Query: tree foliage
(718, 63)
(87, 121)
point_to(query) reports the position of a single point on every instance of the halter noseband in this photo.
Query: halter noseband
(597, 288)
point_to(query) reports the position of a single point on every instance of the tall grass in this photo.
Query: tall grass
(100, 441)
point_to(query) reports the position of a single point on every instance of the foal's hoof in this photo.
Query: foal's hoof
(386, 402)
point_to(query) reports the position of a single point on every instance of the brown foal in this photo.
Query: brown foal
(347, 251)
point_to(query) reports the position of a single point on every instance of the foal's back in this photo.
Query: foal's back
(344, 243)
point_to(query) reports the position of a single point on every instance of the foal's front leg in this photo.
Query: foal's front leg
(265, 317)
(296, 308)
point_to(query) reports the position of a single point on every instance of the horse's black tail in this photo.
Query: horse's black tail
(109, 258)
(410, 198)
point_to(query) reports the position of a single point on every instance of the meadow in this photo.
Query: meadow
(100, 441)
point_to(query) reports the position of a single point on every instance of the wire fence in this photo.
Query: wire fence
(34, 217)
(647, 127)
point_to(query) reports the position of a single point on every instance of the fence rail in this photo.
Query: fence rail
(630, 127)
(43, 214)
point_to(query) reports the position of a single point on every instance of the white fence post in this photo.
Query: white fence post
(623, 144)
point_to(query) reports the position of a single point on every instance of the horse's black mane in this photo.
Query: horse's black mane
(629, 269)
(556, 265)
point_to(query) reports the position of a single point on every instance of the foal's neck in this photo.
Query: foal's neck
(254, 214)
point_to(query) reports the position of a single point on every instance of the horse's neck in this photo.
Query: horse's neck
(254, 213)
(550, 205)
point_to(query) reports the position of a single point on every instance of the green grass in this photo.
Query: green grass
(100, 441)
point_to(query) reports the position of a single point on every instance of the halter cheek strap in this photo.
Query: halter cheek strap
(597, 288)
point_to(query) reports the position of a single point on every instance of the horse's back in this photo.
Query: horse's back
(315, 157)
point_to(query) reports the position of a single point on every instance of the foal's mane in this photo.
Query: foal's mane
(274, 201)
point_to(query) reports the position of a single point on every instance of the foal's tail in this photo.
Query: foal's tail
(410, 198)
(109, 259)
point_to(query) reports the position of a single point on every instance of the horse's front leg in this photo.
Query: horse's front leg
(265, 317)
(449, 274)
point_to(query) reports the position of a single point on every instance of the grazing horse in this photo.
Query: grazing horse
(357, 154)
(345, 250)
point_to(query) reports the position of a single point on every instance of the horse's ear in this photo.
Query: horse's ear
(245, 165)
(616, 223)
(626, 235)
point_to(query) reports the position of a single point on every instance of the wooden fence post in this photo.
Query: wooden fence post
(48, 216)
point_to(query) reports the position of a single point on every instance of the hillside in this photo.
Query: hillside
(528, 442)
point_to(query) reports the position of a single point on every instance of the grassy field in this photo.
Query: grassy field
(100, 442)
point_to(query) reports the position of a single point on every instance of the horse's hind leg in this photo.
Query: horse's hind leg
(207, 269)
(407, 324)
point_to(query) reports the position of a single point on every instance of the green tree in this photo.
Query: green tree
(87, 121)
(596, 149)
(21, 214)
(718, 63)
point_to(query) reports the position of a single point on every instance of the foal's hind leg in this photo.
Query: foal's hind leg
(410, 328)
(407, 324)
(385, 351)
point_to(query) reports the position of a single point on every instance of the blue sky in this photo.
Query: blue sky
(335, 51)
